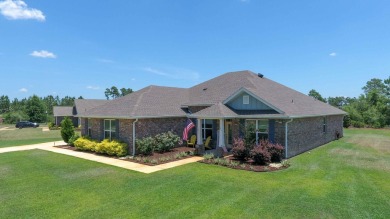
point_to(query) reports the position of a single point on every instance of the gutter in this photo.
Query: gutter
(286, 136)
(134, 137)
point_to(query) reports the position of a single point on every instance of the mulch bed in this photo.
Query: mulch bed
(249, 165)
(152, 160)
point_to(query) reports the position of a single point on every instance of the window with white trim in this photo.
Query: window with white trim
(109, 129)
(260, 128)
(245, 99)
(207, 128)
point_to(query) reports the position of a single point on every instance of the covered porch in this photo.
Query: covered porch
(222, 131)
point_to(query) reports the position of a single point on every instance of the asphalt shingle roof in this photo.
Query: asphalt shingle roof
(63, 111)
(152, 101)
(83, 105)
(157, 101)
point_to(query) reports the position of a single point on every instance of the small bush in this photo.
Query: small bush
(234, 164)
(105, 147)
(165, 142)
(239, 150)
(73, 139)
(286, 163)
(84, 144)
(208, 156)
(67, 129)
(145, 146)
(260, 155)
(275, 150)
(50, 125)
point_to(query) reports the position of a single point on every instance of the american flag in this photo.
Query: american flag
(187, 129)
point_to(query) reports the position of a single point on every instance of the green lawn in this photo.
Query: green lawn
(349, 178)
(26, 136)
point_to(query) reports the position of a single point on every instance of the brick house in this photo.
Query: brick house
(222, 108)
(80, 105)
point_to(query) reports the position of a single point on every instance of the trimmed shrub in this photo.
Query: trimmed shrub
(275, 150)
(50, 125)
(260, 155)
(111, 148)
(239, 150)
(73, 139)
(67, 129)
(84, 144)
(165, 142)
(145, 145)
(105, 147)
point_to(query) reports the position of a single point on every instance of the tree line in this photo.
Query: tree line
(34, 108)
(40, 109)
(370, 109)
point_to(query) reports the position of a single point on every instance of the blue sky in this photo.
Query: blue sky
(82, 47)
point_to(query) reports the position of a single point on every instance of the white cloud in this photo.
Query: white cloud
(17, 9)
(23, 90)
(93, 87)
(43, 54)
(174, 73)
(333, 54)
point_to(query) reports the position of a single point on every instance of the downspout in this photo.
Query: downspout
(136, 120)
(286, 136)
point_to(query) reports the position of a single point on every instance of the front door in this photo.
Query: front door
(228, 133)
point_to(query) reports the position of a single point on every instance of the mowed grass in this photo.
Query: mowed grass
(342, 179)
(25, 136)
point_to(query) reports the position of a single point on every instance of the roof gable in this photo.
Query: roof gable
(63, 111)
(235, 101)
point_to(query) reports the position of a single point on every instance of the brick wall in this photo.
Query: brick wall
(307, 133)
(97, 127)
(152, 127)
(144, 128)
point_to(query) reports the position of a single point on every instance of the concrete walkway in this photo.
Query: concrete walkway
(101, 159)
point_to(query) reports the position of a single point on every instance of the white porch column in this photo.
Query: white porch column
(221, 133)
(199, 139)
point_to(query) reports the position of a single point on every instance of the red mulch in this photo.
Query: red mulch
(140, 158)
(249, 165)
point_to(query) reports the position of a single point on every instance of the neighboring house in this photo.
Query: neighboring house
(80, 105)
(60, 112)
(221, 108)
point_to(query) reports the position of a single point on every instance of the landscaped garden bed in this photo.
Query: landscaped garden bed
(160, 149)
(156, 158)
(249, 165)
(247, 154)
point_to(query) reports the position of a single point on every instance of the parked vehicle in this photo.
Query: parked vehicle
(26, 124)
